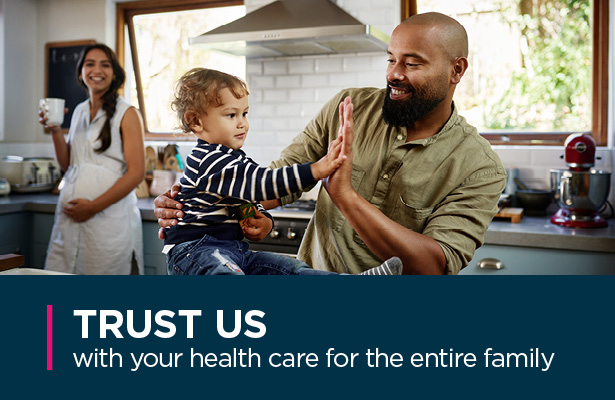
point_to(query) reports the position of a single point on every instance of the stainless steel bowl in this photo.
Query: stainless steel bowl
(580, 190)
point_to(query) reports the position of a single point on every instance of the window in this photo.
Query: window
(158, 52)
(538, 68)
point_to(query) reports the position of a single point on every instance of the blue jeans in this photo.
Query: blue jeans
(210, 256)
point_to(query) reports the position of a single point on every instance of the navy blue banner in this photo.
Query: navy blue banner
(307, 337)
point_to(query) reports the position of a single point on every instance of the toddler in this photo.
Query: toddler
(220, 185)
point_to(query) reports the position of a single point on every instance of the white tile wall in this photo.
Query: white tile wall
(534, 163)
(287, 92)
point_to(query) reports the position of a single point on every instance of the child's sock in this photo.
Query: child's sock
(392, 266)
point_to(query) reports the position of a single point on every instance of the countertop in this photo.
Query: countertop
(536, 232)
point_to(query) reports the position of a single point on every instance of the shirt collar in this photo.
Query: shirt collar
(447, 127)
(223, 148)
(99, 114)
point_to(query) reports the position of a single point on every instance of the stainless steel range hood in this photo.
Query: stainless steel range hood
(293, 28)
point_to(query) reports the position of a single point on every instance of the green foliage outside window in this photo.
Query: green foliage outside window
(551, 91)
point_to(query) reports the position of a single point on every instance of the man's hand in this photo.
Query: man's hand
(256, 228)
(167, 210)
(338, 183)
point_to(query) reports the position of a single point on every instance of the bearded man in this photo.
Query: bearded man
(419, 182)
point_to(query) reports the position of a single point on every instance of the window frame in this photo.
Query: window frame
(125, 12)
(600, 68)
(600, 86)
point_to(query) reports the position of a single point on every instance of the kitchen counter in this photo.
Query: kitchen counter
(46, 203)
(537, 232)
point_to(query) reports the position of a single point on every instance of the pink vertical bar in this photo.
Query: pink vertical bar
(49, 337)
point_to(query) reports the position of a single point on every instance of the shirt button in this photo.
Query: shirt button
(399, 137)
(385, 176)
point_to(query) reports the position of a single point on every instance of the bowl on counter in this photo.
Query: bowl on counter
(534, 202)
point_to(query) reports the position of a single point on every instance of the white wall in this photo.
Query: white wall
(27, 26)
(287, 92)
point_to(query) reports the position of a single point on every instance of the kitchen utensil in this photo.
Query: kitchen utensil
(511, 187)
(30, 174)
(520, 184)
(580, 195)
(53, 109)
(150, 159)
(163, 180)
(580, 191)
(505, 200)
(5, 186)
(534, 202)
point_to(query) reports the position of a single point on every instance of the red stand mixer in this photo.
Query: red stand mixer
(580, 191)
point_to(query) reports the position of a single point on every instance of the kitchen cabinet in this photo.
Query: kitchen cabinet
(541, 261)
(154, 261)
(28, 234)
(534, 246)
(14, 233)
(41, 232)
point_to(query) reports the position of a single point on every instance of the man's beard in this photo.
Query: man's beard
(403, 113)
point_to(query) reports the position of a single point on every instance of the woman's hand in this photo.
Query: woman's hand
(80, 210)
(49, 128)
(256, 228)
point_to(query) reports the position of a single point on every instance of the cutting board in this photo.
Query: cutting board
(513, 213)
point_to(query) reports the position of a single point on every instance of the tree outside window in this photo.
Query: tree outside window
(531, 67)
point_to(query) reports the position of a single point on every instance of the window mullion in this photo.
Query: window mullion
(135, 63)
(600, 65)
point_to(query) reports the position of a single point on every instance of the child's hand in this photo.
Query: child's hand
(256, 228)
(329, 163)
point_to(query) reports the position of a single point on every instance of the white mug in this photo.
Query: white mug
(53, 110)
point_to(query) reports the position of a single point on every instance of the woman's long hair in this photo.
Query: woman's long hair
(110, 97)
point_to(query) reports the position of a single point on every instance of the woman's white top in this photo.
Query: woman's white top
(107, 242)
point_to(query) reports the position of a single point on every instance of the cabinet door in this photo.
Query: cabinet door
(14, 234)
(41, 232)
(537, 261)
(155, 262)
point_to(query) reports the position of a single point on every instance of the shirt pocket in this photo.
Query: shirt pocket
(413, 218)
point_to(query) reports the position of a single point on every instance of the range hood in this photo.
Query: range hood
(294, 28)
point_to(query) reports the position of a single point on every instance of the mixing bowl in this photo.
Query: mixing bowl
(534, 202)
(582, 191)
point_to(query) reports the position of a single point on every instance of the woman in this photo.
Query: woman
(97, 227)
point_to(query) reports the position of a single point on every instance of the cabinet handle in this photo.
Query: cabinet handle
(490, 263)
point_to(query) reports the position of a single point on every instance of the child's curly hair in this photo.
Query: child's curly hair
(200, 88)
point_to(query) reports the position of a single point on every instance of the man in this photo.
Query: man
(419, 182)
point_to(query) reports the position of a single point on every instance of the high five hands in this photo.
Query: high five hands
(338, 183)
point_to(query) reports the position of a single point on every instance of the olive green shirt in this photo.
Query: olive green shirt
(446, 186)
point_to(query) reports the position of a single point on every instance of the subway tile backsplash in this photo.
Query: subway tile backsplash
(286, 93)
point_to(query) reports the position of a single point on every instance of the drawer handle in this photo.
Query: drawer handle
(490, 263)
